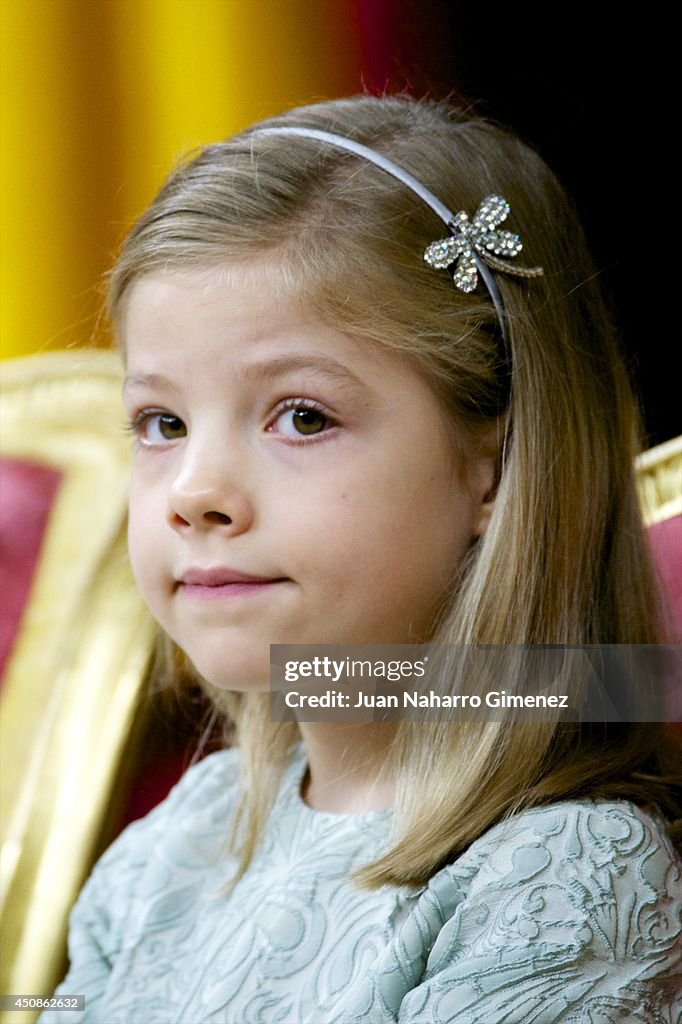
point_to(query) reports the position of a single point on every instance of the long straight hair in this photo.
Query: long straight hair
(564, 559)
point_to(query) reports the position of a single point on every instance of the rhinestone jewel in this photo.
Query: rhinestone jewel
(478, 237)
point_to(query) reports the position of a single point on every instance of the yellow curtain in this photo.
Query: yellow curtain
(100, 97)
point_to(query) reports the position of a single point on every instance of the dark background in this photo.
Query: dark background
(586, 86)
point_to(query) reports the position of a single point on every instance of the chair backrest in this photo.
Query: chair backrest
(75, 667)
(659, 475)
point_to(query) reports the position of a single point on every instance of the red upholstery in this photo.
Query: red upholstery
(666, 545)
(169, 749)
(27, 492)
(163, 761)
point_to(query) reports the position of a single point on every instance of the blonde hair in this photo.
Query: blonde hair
(564, 559)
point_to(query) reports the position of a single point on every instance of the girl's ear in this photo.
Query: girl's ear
(489, 467)
(485, 511)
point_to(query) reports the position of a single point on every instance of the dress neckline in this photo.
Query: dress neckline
(293, 784)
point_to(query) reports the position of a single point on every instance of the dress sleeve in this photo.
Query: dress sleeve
(569, 914)
(110, 899)
(574, 916)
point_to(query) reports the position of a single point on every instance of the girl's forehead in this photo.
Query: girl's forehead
(229, 317)
(271, 274)
(257, 284)
(201, 303)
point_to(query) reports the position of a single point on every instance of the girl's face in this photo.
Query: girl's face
(269, 445)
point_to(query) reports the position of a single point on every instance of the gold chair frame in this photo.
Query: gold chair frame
(76, 673)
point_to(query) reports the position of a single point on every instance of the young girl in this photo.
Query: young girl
(345, 433)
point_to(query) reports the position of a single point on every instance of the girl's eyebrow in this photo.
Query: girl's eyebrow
(267, 370)
(147, 380)
(323, 365)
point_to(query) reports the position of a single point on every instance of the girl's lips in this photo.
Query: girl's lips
(220, 583)
(220, 575)
(220, 591)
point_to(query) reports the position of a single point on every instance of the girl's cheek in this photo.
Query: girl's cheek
(147, 483)
(143, 533)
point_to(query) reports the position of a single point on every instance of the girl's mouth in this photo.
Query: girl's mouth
(220, 582)
(219, 591)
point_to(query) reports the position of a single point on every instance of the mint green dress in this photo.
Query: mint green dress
(564, 914)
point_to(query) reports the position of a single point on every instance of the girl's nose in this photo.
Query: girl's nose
(208, 492)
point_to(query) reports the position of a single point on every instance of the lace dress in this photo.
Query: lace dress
(564, 914)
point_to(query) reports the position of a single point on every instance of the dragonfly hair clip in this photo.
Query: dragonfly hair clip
(474, 240)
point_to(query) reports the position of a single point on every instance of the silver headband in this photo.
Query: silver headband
(468, 251)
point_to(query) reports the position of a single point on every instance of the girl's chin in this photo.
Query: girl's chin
(242, 679)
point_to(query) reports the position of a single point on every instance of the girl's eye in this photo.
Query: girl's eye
(157, 428)
(301, 417)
